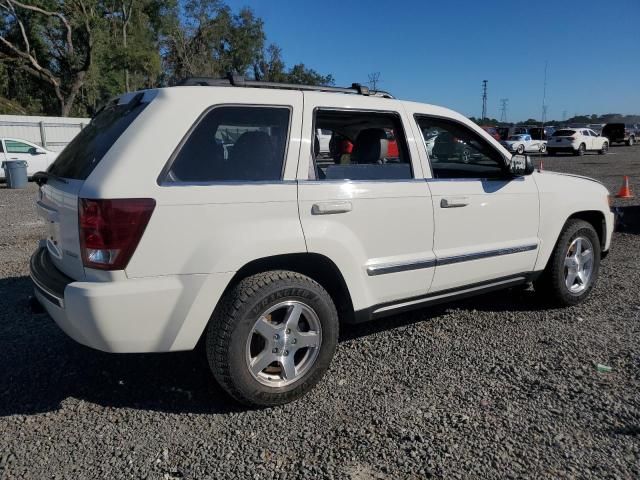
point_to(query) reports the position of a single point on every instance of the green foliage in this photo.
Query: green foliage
(121, 45)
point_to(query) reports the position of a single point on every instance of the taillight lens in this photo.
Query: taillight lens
(111, 229)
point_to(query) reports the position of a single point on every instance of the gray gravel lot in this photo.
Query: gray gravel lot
(499, 386)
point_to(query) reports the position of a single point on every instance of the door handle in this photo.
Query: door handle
(454, 202)
(329, 208)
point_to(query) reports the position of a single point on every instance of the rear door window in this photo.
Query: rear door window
(87, 149)
(233, 144)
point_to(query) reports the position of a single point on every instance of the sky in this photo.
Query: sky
(439, 52)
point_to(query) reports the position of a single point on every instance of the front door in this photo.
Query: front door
(19, 150)
(365, 205)
(486, 221)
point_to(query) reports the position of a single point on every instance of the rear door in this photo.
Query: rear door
(369, 210)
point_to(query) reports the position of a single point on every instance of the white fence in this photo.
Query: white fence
(52, 133)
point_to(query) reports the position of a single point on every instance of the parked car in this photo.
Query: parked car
(261, 257)
(619, 133)
(37, 157)
(541, 133)
(493, 131)
(577, 141)
(524, 143)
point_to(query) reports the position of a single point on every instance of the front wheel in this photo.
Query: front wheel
(631, 141)
(520, 149)
(604, 149)
(573, 268)
(543, 148)
(272, 338)
(581, 150)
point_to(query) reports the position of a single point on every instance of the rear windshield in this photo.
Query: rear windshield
(564, 133)
(85, 151)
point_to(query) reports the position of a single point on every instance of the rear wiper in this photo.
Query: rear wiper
(42, 177)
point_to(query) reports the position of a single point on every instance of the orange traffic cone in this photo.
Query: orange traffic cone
(625, 190)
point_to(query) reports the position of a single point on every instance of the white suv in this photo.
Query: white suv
(577, 141)
(158, 238)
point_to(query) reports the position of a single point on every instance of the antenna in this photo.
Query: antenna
(504, 102)
(484, 99)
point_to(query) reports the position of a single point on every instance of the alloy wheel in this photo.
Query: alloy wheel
(284, 343)
(578, 265)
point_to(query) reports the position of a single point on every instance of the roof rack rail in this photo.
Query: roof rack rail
(241, 81)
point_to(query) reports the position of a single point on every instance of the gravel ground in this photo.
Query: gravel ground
(495, 387)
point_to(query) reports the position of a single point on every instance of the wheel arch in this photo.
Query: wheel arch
(314, 265)
(597, 221)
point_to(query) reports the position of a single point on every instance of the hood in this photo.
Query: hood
(549, 172)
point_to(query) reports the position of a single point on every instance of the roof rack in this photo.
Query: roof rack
(239, 81)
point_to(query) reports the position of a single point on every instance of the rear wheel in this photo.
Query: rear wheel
(573, 268)
(604, 149)
(272, 338)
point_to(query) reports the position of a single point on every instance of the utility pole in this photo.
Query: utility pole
(544, 94)
(484, 99)
(374, 79)
(504, 102)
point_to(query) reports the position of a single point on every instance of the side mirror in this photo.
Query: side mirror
(35, 151)
(521, 165)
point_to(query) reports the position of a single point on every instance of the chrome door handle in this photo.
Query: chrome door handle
(329, 208)
(454, 202)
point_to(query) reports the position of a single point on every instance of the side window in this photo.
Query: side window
(17, 147)
(456, 151)
(363, 146)
(234, 144)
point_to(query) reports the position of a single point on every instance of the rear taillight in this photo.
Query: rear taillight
(111, 229)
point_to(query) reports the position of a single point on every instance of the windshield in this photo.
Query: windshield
(564, 133)
(85, 151)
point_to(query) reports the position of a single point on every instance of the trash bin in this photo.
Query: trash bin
(15, 173)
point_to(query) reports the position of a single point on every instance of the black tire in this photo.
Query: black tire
(581, 150)
(551, 284)
(604, 149)
(232, 324)
(631, 141)
(520, 149)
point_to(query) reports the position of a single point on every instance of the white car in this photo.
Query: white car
(38, 158)
(155, 240)
(577, 141)
(524, 143)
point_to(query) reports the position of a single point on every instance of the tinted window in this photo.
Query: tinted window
(85, 151)
(234, 144)
(456, 151)
(363, 146)
(563, 133)
(17, 147)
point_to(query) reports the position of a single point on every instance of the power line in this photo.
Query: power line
(484, 99)
(504, 102)
(374, 79)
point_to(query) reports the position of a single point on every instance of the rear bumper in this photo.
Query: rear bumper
(566, 149)
(151, 314)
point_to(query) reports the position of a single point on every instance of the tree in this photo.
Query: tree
(52, 42)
